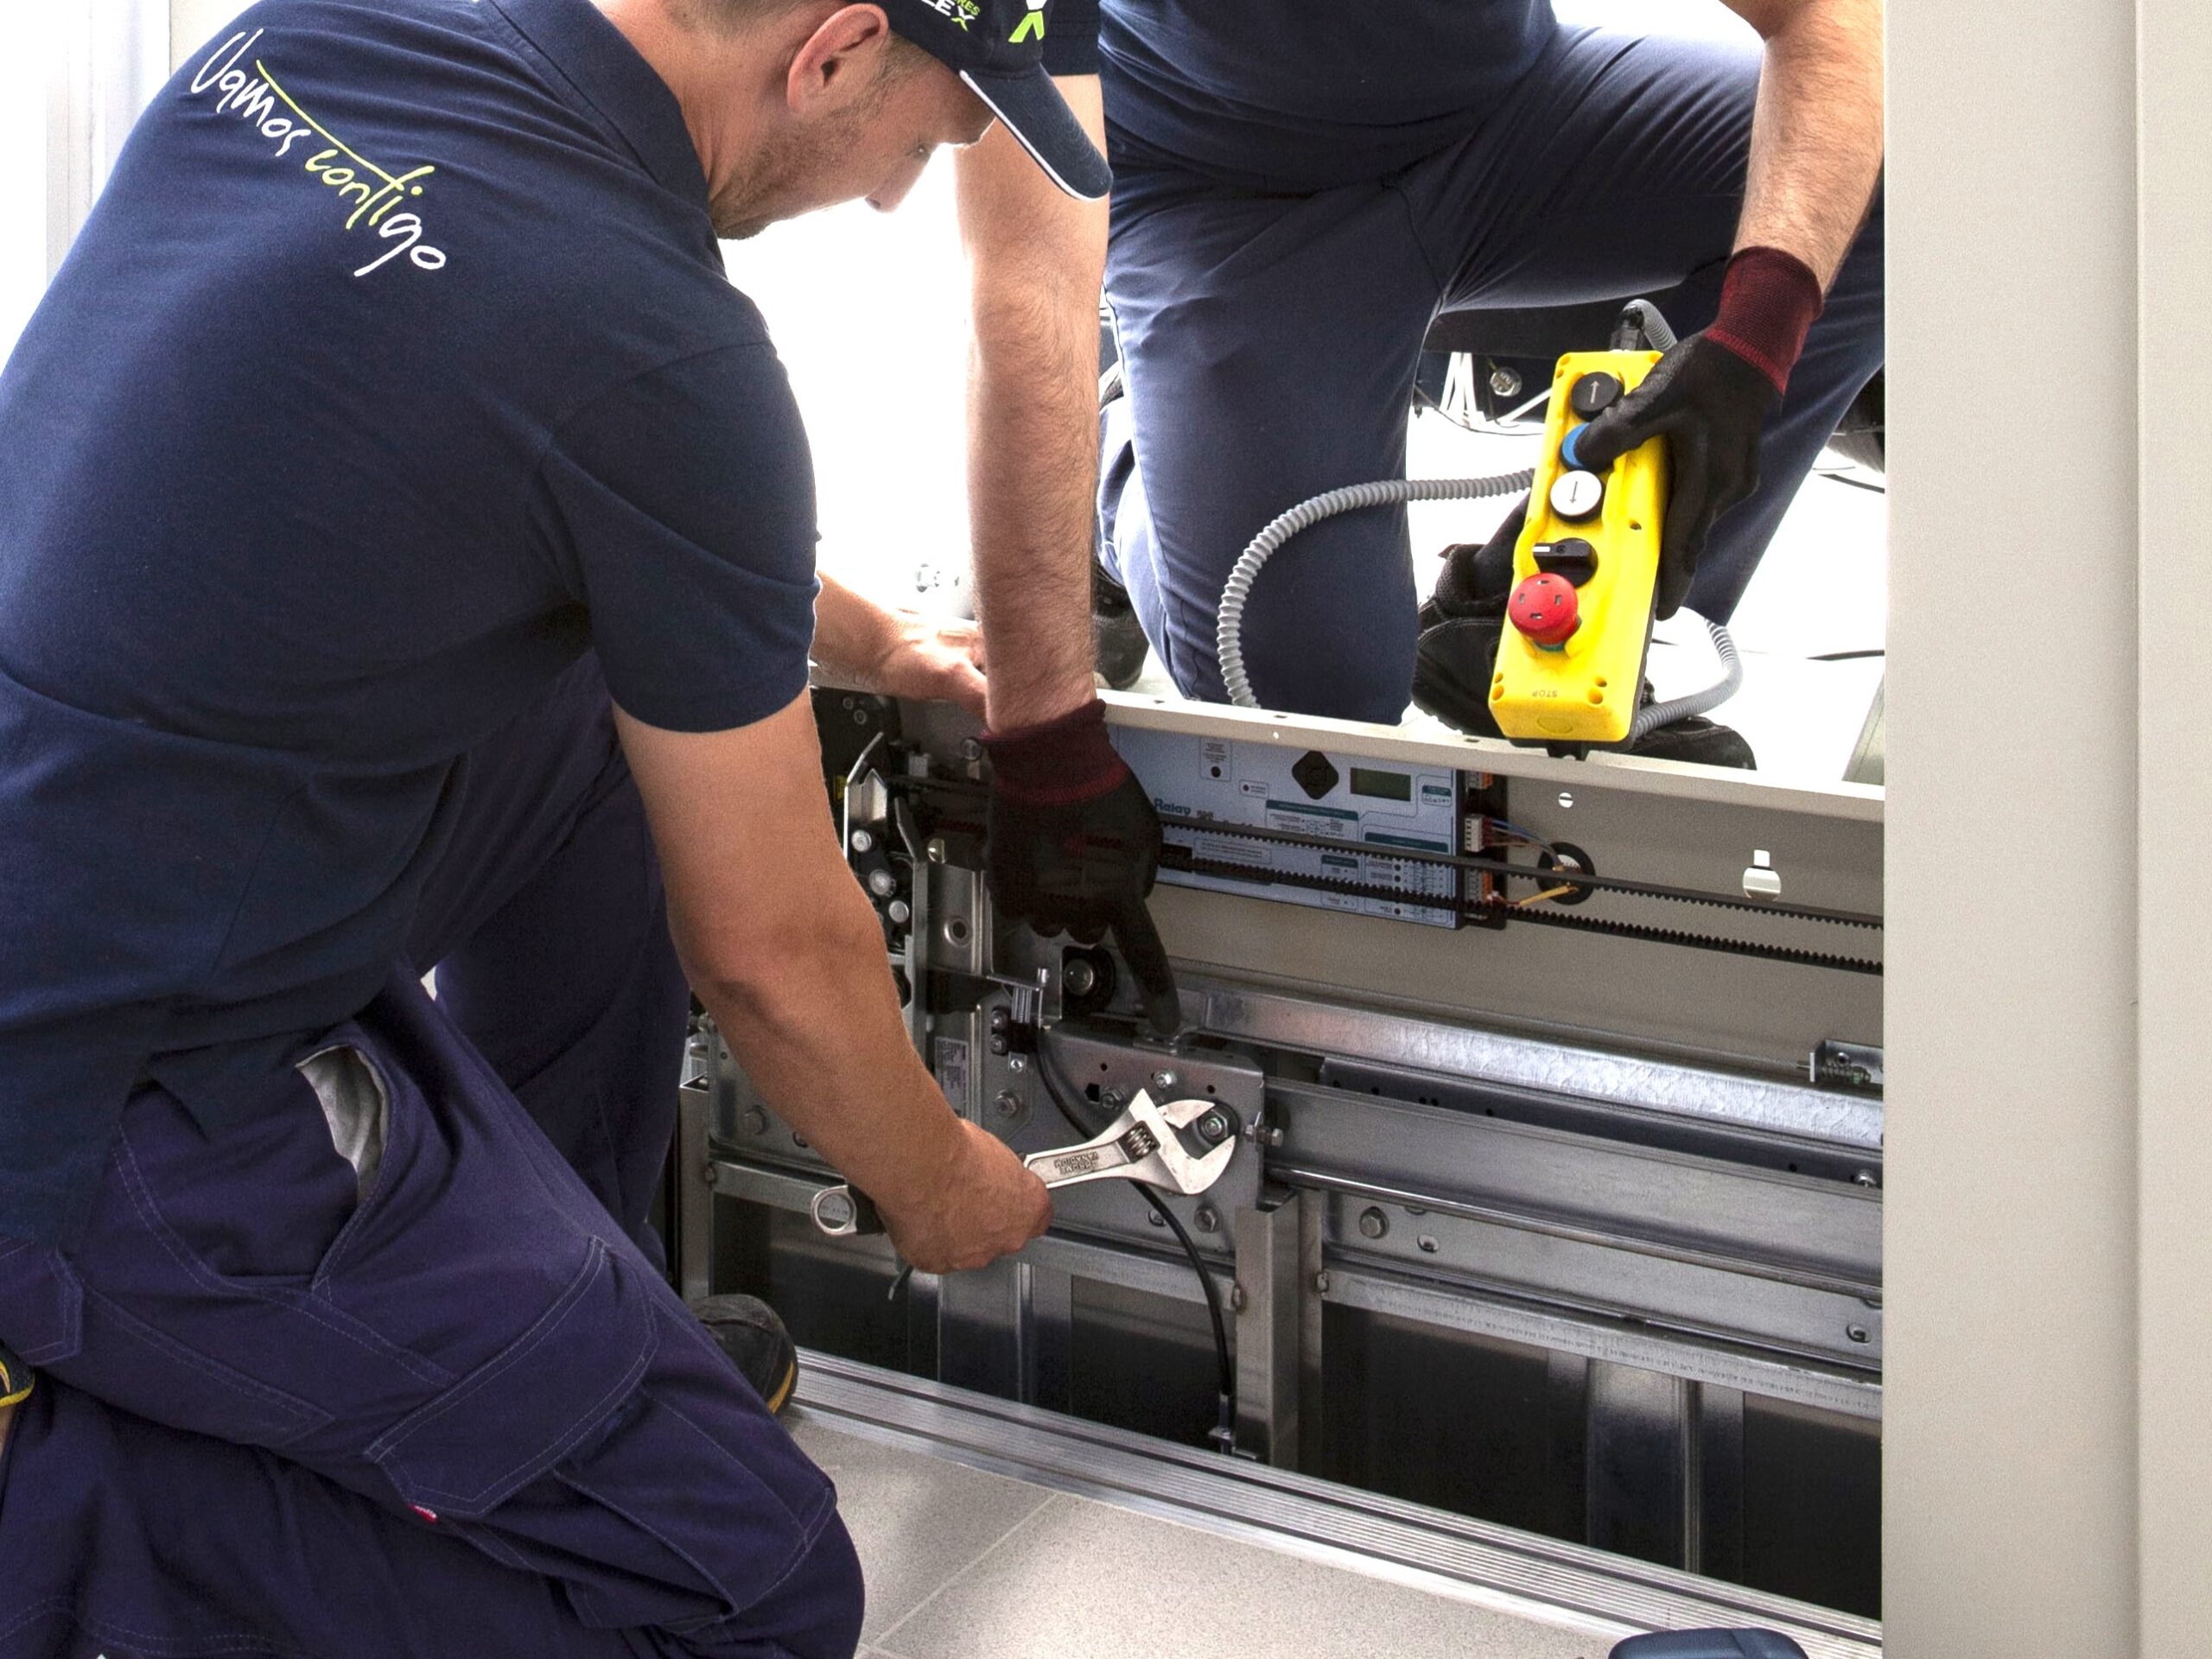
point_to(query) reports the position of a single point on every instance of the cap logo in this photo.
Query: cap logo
(1031, 27)
(963, 12)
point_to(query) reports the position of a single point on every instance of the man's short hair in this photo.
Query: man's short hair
(729, 16)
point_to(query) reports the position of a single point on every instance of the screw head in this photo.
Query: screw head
(899, 912)
(1373, 1224)
(1080, 979)
(1858, 1333)
(1008, 1104)
(711, 1174)
(882, 883)
(934, 851)
(1866, 1178)
(1236, 1298)
(1113, 1098)
(1212, 1126)
(756, 1122)
(1321, 1283)
(1017, 1063)
(1504, 382)
(862, 841)
(1164, 1082)
(1428, 1245)
(1566, 799)
(1209, 1218)
(971, 748)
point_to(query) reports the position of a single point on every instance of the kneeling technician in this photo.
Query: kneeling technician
(405, 529)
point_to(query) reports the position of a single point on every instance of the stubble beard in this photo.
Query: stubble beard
(773, 188)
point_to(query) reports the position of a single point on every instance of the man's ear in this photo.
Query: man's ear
(838, 59)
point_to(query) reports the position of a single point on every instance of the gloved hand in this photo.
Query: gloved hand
(1072, 845)
(1710, 397)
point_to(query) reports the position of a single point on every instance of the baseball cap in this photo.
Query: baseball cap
(997, 46)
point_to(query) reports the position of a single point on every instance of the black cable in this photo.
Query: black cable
(1063, 1101)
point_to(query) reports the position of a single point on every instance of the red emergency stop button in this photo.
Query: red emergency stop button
(1545, 608)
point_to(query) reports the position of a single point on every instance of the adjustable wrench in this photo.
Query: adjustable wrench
(1141, 1145)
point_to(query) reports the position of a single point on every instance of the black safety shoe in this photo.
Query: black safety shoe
(747, 1329)
(1458, 655)
(1115, 633)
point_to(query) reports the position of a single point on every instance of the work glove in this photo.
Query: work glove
(1710, 397)
(1072, 846)
(1478, 579)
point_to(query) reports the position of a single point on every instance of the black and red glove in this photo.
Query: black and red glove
(1710, 397)
(1072, 845)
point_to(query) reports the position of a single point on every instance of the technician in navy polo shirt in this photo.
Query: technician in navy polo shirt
(404, 530)
(1300, 185)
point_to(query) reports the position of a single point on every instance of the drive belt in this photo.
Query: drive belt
(1497, 906)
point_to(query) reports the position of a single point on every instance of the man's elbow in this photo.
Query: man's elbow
(766, 973)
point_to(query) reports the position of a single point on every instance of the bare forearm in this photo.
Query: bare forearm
(852, 634)
(822, 1040)
(1816, 139)
(1033, 470)
(1036, 260)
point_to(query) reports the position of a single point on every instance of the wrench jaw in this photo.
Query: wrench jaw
(1170, 1165)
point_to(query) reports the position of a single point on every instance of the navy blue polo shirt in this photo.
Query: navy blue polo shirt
(1296, 95)
(395, 368)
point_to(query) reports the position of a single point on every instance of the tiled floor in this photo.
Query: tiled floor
(965, 1565)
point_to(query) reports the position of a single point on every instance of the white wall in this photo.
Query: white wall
(2050, 825)
(23, 201)
(193, 24)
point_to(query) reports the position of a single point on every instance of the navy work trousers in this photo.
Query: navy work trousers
(389, 1369)
(1271, 339)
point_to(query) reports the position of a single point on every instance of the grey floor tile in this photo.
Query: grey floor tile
(916, 1520)
(1081, 1581)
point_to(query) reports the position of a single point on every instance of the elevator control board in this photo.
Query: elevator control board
(1570, 667)
(1368, 805)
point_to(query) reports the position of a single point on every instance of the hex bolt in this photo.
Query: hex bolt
(1000, 1017)
(1504, 382)
(756, 1122)
(1113, 1098)
(1428, 1245)
(1858, 1333)
(882, 883)
(1213, 1127)
(1164, 1082)
(1373, 1224)
(863, 842)
(1209, 1218)
(1008, 1104)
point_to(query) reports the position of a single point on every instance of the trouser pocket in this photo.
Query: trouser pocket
(555, 1386)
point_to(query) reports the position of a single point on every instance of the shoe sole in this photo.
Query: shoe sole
(780, 1396)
